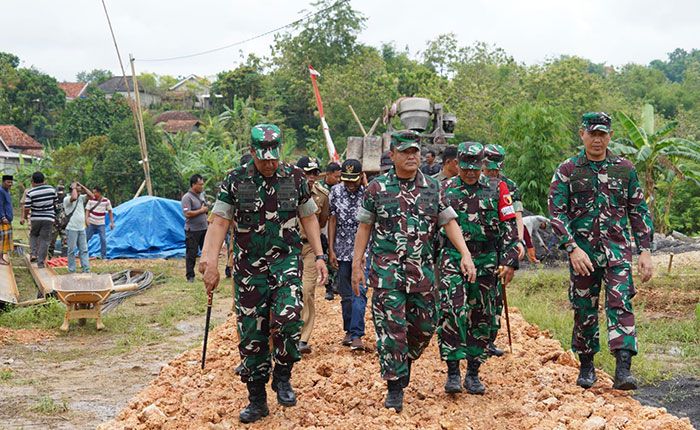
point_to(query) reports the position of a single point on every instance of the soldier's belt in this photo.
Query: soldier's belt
(475, 247)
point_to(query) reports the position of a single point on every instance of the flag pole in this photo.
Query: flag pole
(332, 153)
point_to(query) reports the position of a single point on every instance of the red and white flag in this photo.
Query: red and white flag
(332, 153)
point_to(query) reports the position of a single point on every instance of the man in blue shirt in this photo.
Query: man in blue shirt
(5, 219)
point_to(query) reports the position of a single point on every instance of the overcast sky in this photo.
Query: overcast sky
(64, 37)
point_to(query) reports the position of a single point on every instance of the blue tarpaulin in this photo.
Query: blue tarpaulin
(145, 227)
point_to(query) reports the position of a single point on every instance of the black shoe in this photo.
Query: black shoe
(623, 378)
(329, 295)
(586, 374)
(257, 408)
(405, 380)
(493, 351)
(304, 348)
(227, 271)
(281, 385)
(454, 379)
(471, 381)
(394, 396)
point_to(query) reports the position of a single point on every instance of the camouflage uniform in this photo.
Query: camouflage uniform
(487, 220)
(594, 203)
(267, 266)
(405, 215)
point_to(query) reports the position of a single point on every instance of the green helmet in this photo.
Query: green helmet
(494, 155)
(404, 139)
(592, 121)
(266, 140)
(471, 155)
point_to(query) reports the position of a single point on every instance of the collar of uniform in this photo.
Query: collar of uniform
(419, 179)
(280, 172)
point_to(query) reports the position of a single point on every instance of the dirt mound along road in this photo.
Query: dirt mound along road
(534, 388)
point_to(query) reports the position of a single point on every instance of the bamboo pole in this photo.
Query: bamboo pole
(374, 126)
(138, 192)
(670, 262)
(354, 115)
(144, 146)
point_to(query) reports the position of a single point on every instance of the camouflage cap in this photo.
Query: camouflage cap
(471, 155)
(266, 140)
(404, 139)
(494, 155)
(592, 121)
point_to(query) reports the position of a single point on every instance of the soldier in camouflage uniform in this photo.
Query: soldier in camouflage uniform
(467, 308)
(265, 200)
(493, 168)
(402, 210)
(594, 198)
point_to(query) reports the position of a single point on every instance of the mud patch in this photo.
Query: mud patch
(680, 396)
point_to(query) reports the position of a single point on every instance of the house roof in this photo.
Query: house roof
(193, 78)
(174, 115)
(115, 84)
(175, 126)
(14, 138)
(73, 90)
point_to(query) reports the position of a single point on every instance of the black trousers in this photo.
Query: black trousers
(194, 241)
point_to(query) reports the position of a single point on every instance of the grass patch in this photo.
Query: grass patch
(6, 375)
(48, 406)
(667, 346)
(48, 315)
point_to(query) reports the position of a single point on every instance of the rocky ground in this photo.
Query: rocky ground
(533, 388)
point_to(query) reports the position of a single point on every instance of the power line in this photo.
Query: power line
(231, 45)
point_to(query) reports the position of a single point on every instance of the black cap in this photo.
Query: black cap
(308, 164)
(333, 167)
(351, 170)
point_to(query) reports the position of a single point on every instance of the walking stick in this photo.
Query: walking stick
(505, 306)
(206, 328)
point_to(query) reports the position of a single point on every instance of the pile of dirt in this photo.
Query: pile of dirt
(533, 388)
(24, 336)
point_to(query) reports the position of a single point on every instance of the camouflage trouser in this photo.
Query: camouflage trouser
(497, 306)
(268, 305)
(466, 312)
(404, 323)
(584, 294)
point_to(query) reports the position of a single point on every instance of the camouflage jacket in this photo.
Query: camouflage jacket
(595, 203)
(264, 212)
(405, 216)
(487, 230)
(514, 193)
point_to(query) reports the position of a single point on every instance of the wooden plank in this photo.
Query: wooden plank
(43, 277)
(8, 285)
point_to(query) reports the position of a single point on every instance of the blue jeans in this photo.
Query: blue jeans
(353, 306)
(77, 238)
(92, 229)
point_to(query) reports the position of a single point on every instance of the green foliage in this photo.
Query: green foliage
(48, 406)
(90, 116)
(246, 81)
(94, 76)
(45, 316)
(535, 137)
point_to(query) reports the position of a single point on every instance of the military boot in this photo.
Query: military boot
(471, 381)
(405, 380)
(493, 351)
(623, 378)
(454, 379)
(394, 395)
(257, 408)
(586, 374)
(281, 385)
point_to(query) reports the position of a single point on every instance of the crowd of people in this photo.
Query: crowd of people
(437, 244)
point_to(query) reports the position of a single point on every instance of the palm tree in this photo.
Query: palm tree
(656, 156)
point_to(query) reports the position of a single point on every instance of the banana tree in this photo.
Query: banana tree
(654, 154)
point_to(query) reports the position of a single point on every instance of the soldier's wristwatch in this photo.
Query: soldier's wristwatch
(570, 247)
(321, 257)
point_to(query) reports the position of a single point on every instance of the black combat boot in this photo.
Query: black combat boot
(405, 380)
(471, 381)
(257, 408)
(281, 385)
(623, 378)
(493, 351)
(394, 395)
(586, 374)
(454, 379)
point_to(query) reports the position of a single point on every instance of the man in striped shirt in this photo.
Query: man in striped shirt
(41, 205)
(95, 213)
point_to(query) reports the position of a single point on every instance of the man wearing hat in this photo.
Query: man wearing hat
(487, 219)
(6, 219)
(266, 200)
(346, 199)
(594, 198)
(402, 211)
(493, 168)
(319, 194)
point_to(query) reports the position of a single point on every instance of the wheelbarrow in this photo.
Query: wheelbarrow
(83, 295)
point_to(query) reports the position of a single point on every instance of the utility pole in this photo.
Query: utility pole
(141, 132)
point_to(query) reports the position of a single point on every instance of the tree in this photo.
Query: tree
(535, 136)
(94, 77)
(245, 81)
(93, 115)
(654, 154)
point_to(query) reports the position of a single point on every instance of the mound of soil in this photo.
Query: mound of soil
(533, 388)
(24, 336)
